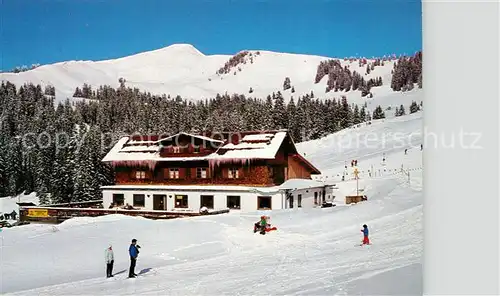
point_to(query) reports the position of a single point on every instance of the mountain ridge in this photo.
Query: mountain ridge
(181, 69)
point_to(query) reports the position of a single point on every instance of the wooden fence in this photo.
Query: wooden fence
(59, 214)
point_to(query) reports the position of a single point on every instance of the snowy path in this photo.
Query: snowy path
(314, 251)
(305, 256)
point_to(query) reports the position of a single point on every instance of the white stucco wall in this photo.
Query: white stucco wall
(308, 197)
(248, 200)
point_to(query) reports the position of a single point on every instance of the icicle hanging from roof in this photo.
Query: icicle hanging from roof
(151, 164)
(218, 161)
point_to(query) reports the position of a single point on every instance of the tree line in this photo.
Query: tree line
(57, 152)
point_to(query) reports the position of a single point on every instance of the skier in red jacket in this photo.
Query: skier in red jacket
(366, 240)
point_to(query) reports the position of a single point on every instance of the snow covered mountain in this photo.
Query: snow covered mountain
(314, 251)
(181, 69)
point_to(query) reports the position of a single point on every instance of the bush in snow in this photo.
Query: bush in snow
(378, 113)
(414, 107)
(400, 111)
(234, 61)
(286, 84)
(341, 79)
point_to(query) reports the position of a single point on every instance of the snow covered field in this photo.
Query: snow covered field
(314, 252)
(181, 69)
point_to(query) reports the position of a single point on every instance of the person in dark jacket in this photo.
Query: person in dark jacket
(13, 215)
(133, 251)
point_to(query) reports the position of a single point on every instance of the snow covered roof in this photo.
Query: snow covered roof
(257, 137)
(244, 150)
(191, 135)
(243, 145)
(300, 184)
(133, 142)
(126, 150)
(141, 148)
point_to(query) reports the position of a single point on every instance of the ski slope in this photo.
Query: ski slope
(370, 144)
(314, 252)
(181, 69)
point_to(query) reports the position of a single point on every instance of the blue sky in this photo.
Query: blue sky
(49, 31)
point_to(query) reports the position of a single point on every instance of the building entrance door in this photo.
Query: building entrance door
(159, 202)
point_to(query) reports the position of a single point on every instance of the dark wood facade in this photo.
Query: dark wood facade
(256, 172)
(200, 173)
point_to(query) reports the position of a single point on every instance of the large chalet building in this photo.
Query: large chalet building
(239, 170)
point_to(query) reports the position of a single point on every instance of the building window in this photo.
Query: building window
(181, 201)
(233, 173)
(176, 149)
(118, 199)
(233, 202)
(173, 173)
(196, 149)
(207, 201)
(264, 203)
(201, 173)
(315, 198)
(299, 200)
(140, 175)
(139, 200)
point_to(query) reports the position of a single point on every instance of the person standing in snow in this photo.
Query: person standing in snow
(133, 251)
(366, 240)
(110, 259)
